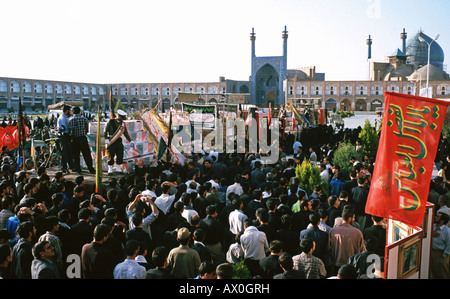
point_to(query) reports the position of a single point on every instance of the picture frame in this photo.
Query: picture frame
(400, 231)
(409, 258)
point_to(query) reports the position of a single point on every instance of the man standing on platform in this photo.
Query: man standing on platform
(114, 129)
(64, 140)
(78, 129)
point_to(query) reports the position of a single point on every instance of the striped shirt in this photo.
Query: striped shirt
(311, 265)
(78, 126)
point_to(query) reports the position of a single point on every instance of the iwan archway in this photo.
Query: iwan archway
(267, 86)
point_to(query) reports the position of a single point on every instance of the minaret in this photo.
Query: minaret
(285, 37)
(252, 73)
(369, 44)
(253, 38)
(403, 37)
(369, 54)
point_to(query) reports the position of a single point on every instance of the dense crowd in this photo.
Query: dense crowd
(197, 220)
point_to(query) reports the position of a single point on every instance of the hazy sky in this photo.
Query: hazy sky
(112, 41)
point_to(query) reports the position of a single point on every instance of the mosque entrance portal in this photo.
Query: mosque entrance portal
(267, 85)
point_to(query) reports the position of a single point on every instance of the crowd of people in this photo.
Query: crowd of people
(199, 220)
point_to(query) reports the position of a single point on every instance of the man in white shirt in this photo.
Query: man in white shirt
(147, 221)
(214, 182)
(164, 202)
(237, 217)
(255, 246)
(188, 211)
(236, 188)
(324, 173)
(130, 269)
(151, 186)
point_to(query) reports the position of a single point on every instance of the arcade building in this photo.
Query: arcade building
(270, 81)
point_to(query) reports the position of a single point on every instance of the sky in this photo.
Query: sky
(146, 41)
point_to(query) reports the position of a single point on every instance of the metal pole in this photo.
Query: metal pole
(428, 67)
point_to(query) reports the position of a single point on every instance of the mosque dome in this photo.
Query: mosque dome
(436, 74)
(417, 52)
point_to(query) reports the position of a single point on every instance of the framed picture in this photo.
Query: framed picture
(409, 257)
(400, 231)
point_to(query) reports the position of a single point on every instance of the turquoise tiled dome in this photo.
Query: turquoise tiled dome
(417, 52)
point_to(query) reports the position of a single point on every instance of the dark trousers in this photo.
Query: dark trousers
(66, 152)
(115, 150)
(81, 145)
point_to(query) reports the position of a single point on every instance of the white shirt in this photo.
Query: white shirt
(254, 243)
(235, 253)
(325, 175)
(149, 192)
(266, 195)
(188, 213)
(214, 184)
(236, 220)
(235, 188)
(146, 222)
(164, 202)
(129, 269)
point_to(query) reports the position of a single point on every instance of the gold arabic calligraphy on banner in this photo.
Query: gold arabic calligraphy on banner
(411, 125)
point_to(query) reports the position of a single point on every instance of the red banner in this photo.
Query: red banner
(403, 168)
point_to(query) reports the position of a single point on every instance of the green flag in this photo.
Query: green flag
(162, 147)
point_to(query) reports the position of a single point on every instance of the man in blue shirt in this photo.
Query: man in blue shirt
(440, 254)
(64, 140)
(296, 145)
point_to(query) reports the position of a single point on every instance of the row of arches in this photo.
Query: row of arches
(60, 88)
(357, 105)
(332, 89)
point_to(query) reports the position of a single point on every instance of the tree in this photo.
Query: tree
(342, 157)
(119, 105)
(369, 139)
(309, 177)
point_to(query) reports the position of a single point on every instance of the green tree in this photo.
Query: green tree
(309, 177)
(119, 105)
(240, 271)
(342, 157)
(369, 139)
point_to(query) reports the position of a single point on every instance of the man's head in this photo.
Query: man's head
(122, 115)
(347, 271)
(441, 218)
(101, 233)
(183, 236)
(66, 110)
(43, 250)
(285, 261)
(348, 215)
(276, 247)
(307, 245)
(76, 110)
(132, 248)
(207, 270)
(224, 271)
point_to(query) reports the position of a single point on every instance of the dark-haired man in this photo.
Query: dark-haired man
(114, 130)
(64, 140)
(78, 130)
(97, 261)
